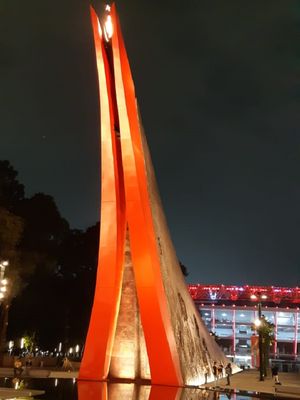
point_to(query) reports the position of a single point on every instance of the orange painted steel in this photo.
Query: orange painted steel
(99, 341)
(155, 315)
(130, 164)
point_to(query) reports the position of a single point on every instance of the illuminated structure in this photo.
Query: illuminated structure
(144, 324)
(132, 391)
(230, 311)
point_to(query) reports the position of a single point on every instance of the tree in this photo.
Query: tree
(11, 191)
(11, 228)
(29, 341)
(266, 329)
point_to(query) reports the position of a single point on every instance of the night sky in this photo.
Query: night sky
(218, 84)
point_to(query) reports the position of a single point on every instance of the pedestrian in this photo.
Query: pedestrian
(206, 373)
(215, 372)
(275, 375)
(228, 372)
(220, 371)
(67, 365)
(18, 368)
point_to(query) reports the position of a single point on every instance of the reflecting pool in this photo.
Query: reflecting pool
(68, 389)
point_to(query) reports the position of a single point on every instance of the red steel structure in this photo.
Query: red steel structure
(144, 324)
(284, 296)
(122, 156)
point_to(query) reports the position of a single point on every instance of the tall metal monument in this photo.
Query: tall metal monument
(144, 324)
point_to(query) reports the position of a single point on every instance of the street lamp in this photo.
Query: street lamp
(258, 325)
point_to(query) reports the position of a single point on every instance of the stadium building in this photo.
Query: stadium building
(229, 313)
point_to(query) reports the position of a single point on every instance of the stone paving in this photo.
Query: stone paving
(249, 381)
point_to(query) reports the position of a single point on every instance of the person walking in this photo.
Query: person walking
(18, 368)
(228, 372)
(275, 375)
(215, 372)
(206, 373)
(67, 365)
(220, 371)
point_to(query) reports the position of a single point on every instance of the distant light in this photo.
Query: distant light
(71, 350)
(4, 281)
(22, 342)
(242, 315)
(56, 382)
(1, 295)
(257, 323)
(59, 346)
(3, 289)
(107, 7)
(10, 344)
(264, 296)
(5, 263)
(253, 297)
(77, 348)
(224, 314)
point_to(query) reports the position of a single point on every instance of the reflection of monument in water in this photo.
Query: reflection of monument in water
(144, 324)
(131, 391)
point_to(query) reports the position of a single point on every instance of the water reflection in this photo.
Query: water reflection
(130, 391)
(69, 389)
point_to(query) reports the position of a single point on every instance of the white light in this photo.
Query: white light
(224, 314)
(77, 348)
(264, 296)
(242, 315)
(10, 344)
(5, 263)
(107, 7)
(22, 342)
(108, 28)
(1, 295)
(3, 289)
(4, 281)
(71, 350)
(257, 323)
(56, 382)
(59, 346)
(253, 297)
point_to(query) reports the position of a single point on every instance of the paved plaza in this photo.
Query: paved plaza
(249, 381)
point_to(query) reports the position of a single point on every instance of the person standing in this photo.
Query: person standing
(206, 373)
(220, 370)
(215, 372)
(228, 372)
(275, 375)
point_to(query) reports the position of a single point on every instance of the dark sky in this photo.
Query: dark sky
(218, 84)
